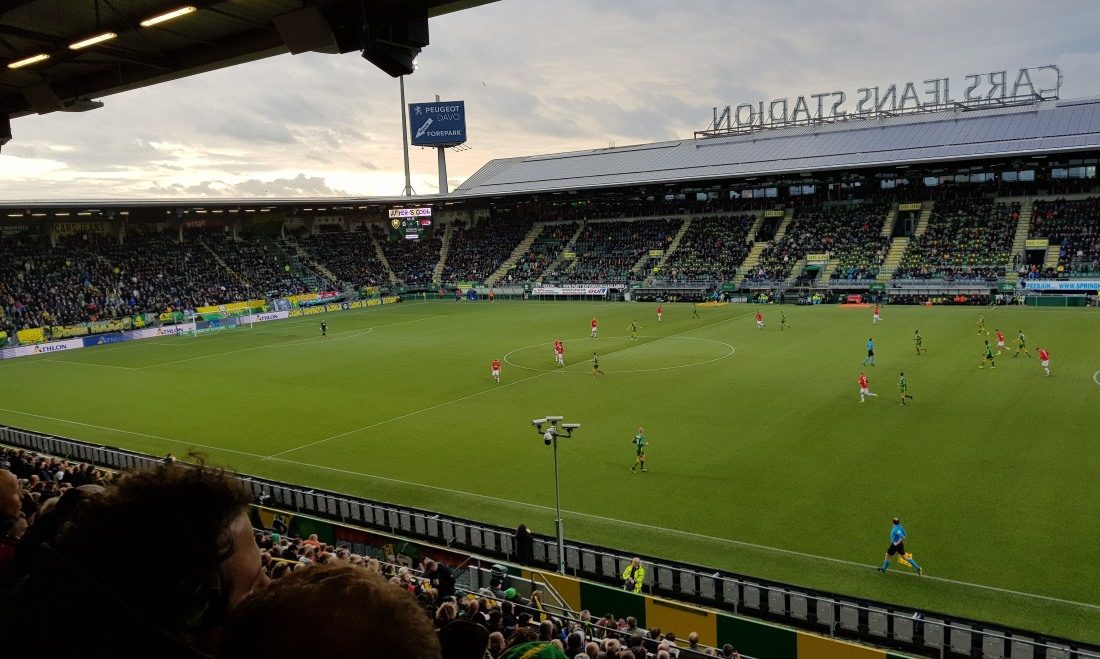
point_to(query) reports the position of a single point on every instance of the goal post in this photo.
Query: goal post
(218, 321)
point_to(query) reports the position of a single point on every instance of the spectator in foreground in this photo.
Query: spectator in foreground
(150, 567)
(536, 650)
(364, 616)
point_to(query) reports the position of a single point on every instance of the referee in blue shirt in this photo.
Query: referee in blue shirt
(897, 547)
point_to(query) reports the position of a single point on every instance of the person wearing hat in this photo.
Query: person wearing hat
(633, 576)
(534, 650)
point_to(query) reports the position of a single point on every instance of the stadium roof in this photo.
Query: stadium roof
(218, 33)
(962, 134)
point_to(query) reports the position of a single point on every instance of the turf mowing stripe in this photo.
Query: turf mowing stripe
(131, 432)
(335, 337)
(486, 391)
(613, 520)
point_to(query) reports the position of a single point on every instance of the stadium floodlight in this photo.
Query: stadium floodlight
(27, 61)
(167, 16)
(550, 438)
(91, 41)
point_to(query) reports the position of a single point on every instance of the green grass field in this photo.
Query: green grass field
(762, 460)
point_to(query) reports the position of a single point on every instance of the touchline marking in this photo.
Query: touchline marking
(479, 393)
(511, 502)
(335, 337)
(129, 432)
(73, 361)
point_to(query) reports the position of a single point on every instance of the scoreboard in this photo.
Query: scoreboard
(410, 223)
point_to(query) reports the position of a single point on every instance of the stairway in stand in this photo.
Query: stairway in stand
(750, 262)
(382, 259)
(569, 247)
(305, 258)
(445, 248)
(672, 247)
(514, 257)
(1019, 241)
(799, 266)
(893, 259)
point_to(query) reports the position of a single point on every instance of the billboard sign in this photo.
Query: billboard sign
(441, 123)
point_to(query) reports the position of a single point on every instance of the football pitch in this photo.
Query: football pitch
(761, 459)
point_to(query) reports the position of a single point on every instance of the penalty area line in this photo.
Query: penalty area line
(612, 520)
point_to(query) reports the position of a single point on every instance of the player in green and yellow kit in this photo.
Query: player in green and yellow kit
(1021, 345)
(919, 342)
(981, 325)
(903, 384)
(988, 356)
(639, 443)
(634, 331)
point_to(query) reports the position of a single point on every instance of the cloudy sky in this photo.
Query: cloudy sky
(537, 76)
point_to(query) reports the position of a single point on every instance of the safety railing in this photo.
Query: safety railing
(877, 623)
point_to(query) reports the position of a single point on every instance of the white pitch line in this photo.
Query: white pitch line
(73, 361)
(612, 520)
(346, 335)
(1095, 376)
(481, 393)
(129, 432)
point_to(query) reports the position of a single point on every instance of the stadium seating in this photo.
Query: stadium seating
(850, 233)
(412, 261)
(607, 251)
(476, 252)
(264, 272)
(547, 246)
(1074, 226)
(350, 256)
(968, 240)
(711, 250)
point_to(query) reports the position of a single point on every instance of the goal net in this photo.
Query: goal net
(219, 321)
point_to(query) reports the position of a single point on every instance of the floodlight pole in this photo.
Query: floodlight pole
(408, 192)
(557, 506)
(550, 437)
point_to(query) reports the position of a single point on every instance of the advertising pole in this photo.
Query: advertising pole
(442, 165)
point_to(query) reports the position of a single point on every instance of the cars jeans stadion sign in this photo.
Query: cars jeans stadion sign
(1031, 84)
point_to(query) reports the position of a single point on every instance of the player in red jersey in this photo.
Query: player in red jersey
(1000, 341)
(864, 388)
(496, 370)
(595, 326)
(875, 318)
(660, 312)
(1044, 359)
(759, 320)
(559, 353)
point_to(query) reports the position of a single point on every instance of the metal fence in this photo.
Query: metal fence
(868, 621)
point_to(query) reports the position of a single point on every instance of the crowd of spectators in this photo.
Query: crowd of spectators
(90, 277)
(711, 250)
(165, 562)
(477, 251)
(412, 261)
(350, 257)
(608, 251)
(851, 233)
(968, 239)
(262, 270)
(548, 245)
(1074, 226)
(610, 209)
